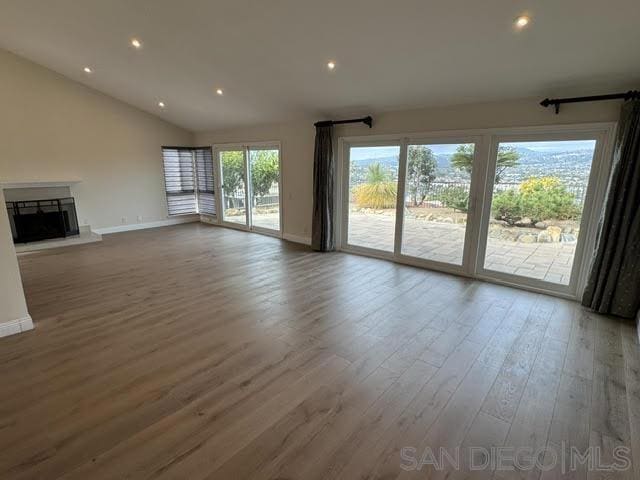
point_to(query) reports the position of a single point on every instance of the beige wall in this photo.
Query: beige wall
(52, 128)
(12, 303)
(297, 139)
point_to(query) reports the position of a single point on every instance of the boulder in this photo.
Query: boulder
(523, 222)
(568, 238)
(544, 237)
(541, 225)
(554, 232)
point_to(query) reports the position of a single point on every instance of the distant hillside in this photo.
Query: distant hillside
(572, 167)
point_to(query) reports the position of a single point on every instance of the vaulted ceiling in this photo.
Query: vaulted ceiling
(270, 56)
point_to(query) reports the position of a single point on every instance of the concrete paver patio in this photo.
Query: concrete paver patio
(444, 242)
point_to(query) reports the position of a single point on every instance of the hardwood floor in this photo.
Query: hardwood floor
(196, 352)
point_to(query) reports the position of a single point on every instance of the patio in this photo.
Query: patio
(443, 242)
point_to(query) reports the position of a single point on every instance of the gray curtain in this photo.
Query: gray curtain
(614, 281)
(322, 231)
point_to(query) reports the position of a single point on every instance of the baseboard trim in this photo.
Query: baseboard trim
(297, 239)
(16, 326)
(142, 226)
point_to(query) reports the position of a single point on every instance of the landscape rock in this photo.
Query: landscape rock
(544, 237)
(541, 225)
(568, 238)
(523, 222)
(555, 232)
(493, 221)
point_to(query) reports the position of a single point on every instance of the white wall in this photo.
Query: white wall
(52, 128)
(298, 137)
(13, 308)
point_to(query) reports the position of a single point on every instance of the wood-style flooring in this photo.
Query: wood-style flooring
(197, 352)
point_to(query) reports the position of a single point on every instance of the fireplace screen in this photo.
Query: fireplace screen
(34, 220)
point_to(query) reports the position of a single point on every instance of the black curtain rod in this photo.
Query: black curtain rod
(630, 95)
(327, 123)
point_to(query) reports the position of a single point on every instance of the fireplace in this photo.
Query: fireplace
(33, 220)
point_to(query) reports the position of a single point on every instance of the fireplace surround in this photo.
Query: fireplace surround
(34, 220)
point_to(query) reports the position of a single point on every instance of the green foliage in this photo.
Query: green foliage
(378, 192)
(537, 198)
(507, 205)
(265, 171)
(462, 159)
(455, 197)
(421, 171)
(377, 174)
(232, 172)
(546, 198)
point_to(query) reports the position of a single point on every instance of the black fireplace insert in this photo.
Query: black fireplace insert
(34, 220)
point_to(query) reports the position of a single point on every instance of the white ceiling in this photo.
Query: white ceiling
(270, 56)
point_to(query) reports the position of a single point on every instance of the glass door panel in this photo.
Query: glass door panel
(536, 208)
(372, 196)
(264, 171)
(234, 195)
(437, 186)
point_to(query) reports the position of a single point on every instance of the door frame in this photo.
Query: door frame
(246, 147)
(481, 187)
(593, 202)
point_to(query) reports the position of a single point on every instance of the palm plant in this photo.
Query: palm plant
(379, 191)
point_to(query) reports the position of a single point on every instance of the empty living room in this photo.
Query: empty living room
(299, 240)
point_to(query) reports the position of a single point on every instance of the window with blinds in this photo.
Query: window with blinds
(204, 177)
(189, 181)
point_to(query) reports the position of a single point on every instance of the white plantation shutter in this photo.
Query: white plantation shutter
(204, 176)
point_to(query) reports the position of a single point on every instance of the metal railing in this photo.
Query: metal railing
(438, 191)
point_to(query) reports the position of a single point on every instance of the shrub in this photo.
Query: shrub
(537, 198)
(507, 205)
(378, 192)
(376, 195)
(455, 197)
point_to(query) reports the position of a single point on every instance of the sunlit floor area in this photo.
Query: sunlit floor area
(442, 242)
(198, 352)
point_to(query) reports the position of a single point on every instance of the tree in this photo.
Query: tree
(232, 173)
(264, 171)
(462, 159)
(421, 171)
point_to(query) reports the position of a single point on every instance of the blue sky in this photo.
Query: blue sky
(362, 153)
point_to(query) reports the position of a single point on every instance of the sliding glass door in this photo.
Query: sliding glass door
(264, 174)
(250, 186)
(436, 201)
(372, 196)
(538, 193)
(517, 208)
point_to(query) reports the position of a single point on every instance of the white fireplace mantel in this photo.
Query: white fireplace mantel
(39, 183)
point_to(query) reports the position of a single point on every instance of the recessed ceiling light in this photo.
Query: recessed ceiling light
(219, 91)
(136, 43)
(522, 21)
(87, 70)
(331, 65)
(161, 104)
